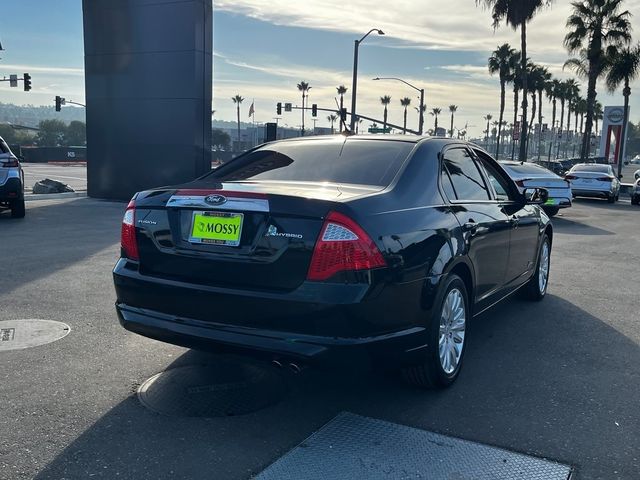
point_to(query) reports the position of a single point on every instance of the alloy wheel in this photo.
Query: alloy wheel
(452, 331)
(543, 269)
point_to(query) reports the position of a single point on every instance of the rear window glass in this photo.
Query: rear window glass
(591, 168)
(335, 160)
(525, 169)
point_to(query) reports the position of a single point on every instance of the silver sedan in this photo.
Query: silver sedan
(531, 175)
(594, 180)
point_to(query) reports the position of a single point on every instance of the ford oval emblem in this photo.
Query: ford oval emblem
(215, 199)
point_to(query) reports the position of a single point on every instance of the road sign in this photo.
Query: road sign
(13, 80)
(287, 107)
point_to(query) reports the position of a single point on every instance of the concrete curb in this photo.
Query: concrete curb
(53, 196)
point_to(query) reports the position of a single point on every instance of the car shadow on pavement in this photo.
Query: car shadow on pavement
(574, 227)
(547, 378)
(55, 235)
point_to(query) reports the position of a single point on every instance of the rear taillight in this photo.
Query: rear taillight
(570, 177)
(342, 246)
(128, 235)
(604, 179)
(10, 163)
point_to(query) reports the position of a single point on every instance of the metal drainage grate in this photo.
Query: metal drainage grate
(19, 334)
(351, 446)
(224, 387)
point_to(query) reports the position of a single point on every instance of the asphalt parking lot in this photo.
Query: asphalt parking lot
(72, 174)
(558, 379)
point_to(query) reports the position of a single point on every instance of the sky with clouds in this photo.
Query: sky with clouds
(264, 48)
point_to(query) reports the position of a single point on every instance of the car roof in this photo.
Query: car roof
(397, 137)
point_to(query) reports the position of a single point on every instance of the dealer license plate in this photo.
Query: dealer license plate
(219, 228)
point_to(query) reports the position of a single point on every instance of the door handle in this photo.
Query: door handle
(470, 226)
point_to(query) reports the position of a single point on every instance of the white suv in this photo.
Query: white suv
(11, 182)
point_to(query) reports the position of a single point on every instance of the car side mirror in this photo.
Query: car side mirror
(535, 196)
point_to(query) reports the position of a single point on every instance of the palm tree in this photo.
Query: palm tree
(581, 109)
(500, 62)
(488, 118)
(332, 118)
(435, 112)
(386, 100)
(453, 109)
(341, 91)
(598, 114)
(517, 14)
(238, 100)
(572, 96)
(553, 93)
(516, 79)
(405, 102)
(304, 88)
(624, 68)
(543, 78)
(594, 26)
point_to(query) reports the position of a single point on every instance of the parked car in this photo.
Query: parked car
(554, 165)
(594, 180)
(332, 250)
(635, 193)
(11, 182)
(530, 175)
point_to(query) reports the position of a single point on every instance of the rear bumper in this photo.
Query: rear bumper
(323, 323)
(388, 350)
(581, 192)
(11, 189)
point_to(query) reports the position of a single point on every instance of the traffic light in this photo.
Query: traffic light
(58, 103)
(279, 108)
(314, 110)
(27, 82)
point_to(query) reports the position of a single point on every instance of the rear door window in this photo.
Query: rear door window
(466, 179)
(335, 160)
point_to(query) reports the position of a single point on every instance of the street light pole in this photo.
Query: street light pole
(354, 84)
(421, 108)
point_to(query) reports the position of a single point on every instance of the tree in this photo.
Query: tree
(517, 13)
(598, 114)
(341, 91)
(543, 78)
(594, 26)
(332, 118)
(553, 91)
(13, 136)
(51, 133)
(500, 62)
(386, 100)
(76, 134)
(435, 112)
(488, 118)
(238, 100)
(304, 88)
(624, 67)
(220, 139)
(572, 97)
(453, 109)
(405, 102)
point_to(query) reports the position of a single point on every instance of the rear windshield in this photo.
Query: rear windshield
(591, 168)
(526, 169)
(335, 160)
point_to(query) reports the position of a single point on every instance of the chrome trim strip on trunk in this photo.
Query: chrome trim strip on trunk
(232, 203)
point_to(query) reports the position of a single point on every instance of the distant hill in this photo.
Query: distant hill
(30, 115)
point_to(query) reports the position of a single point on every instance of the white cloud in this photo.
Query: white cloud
(42, 69)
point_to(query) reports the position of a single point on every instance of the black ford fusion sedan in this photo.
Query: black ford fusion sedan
(334, 249)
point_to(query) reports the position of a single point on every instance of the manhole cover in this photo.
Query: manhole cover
(223, 387)
(19, 334)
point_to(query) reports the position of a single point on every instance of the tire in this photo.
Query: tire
(437, 371)
(611, 198)
(635, 200)
(551, 211)
(17, 208)
(535, 290)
